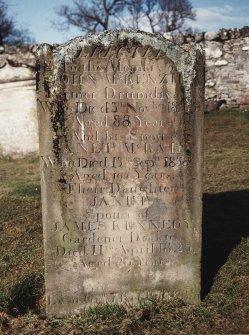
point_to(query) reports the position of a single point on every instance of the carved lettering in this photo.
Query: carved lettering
(120, 146)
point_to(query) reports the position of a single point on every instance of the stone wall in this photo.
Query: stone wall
(227, 63)
(227, 78)
(18, 119)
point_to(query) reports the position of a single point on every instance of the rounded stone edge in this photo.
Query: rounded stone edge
(68, 50)
(184, 57)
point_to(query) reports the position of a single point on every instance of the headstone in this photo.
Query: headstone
(120, 117)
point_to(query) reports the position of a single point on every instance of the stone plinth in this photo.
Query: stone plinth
(120, 117)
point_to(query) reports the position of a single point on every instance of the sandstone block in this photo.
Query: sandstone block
(221, 62)
(121, 118)
(211, 36)
(243, 100)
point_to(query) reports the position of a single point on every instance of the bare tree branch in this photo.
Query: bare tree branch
(9, 33)
(91, 16)
(99, 15)
(173, 13)
(160, 15)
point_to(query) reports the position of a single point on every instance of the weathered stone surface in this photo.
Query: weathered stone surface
(221, 62)
(234, 33)
(198, 37)
(224, 34)
(18, 113)
(15, 73)
(213, 50)
(19, 55)
(243, 100)
(120, 117)
(168, 36)
(210, 83)
(179, 38)
(211, 36)
(190, 38)
(244, 32)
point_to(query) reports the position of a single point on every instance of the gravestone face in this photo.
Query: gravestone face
(120, 117)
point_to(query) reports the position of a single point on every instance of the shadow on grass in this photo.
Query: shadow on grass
(225, 222)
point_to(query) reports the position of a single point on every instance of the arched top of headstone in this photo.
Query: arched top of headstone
(69, 50)
(120, 116)
(111, 42)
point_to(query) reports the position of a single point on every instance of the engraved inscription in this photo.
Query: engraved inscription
(116, 155)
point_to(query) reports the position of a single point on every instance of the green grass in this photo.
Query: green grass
(225, 255)
(226, 151)
(21, 254)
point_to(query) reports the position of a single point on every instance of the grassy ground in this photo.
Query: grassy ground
(225, 259)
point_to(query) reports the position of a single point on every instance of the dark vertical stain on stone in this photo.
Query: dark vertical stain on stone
(38, 69)
(58, 123)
